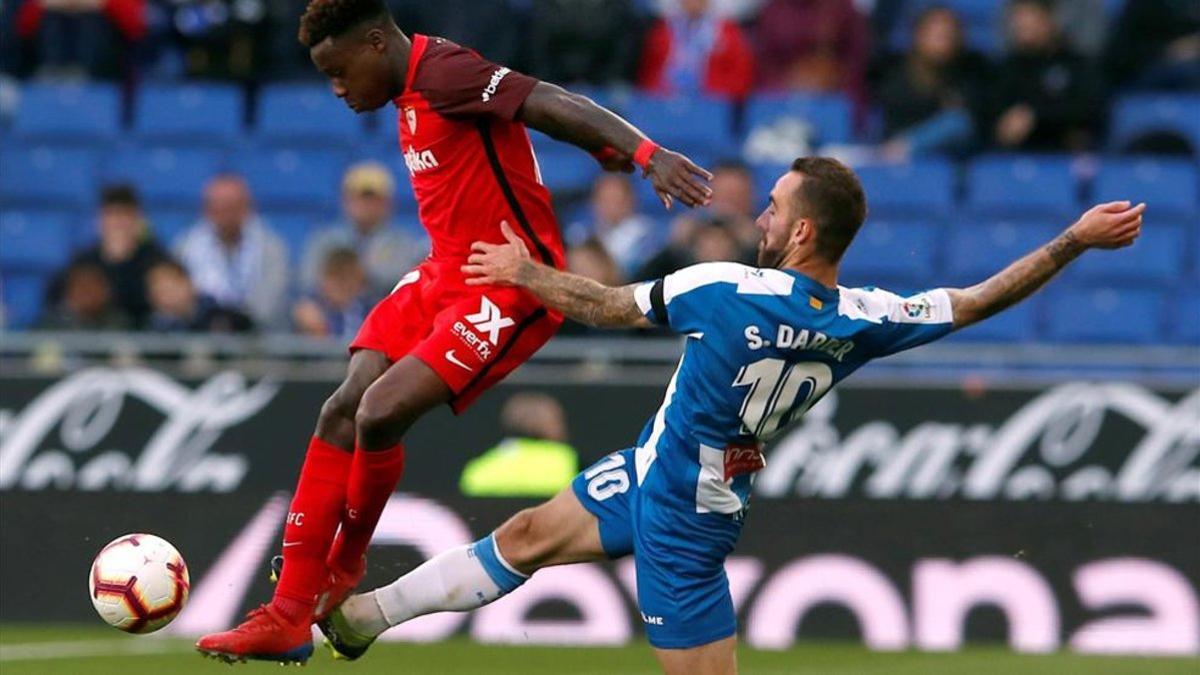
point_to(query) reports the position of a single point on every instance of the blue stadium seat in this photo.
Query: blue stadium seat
(1139, 114)
(293, 179)
(1184, 320)
(886, 253)
(22, 298)
(975, 251)
(919, 188)
(305, 114)
(1169, 187)
(1022, 184)
(1105, 315)
(34, 241)
(78, 113)
(1018, 323)
(199, 114)
(1156, 257)
(828, 115)
(684, 123)
(168, 225)
(981, 20)
(567, 170)
(41, 175)
(295, 229)
(166, 176)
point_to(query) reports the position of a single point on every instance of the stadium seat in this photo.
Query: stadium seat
(1156, 257)
(295, 229)
(1184, 320)
(168, 225)
(1136, 115)
(975, 251)
(293, 180)
(23, 295)
(828, 115)
(923, 187)
(684, 124)
(981, 21)
(193, 114)
(305, 114)
(36, 242)
(77, 113)
(1169, 187)
(41, 175)
(567, 170)
(165, 176)
(893, 254)
(1018, 323)
(1105, 315)
(1022, 184)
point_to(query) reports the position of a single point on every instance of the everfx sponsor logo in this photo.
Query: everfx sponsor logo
(489, 320)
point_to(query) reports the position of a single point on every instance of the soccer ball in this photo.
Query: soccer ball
(138, 583)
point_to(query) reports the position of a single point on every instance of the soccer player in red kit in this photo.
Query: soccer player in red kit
(434, 340)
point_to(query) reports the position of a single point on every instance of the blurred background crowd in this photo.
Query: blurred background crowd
(175, 165)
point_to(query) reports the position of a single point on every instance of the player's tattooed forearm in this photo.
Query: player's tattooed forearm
(584, 300)
(1064, 248)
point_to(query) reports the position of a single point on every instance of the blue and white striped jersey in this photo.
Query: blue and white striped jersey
(763, 346)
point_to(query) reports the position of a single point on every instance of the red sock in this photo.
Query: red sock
(311, 524)
(373, 477)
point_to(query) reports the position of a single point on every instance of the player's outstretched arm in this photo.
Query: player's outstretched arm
(1111, 225)
(617, 144)
(584, 300)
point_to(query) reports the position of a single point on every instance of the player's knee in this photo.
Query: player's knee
(522, 541)
(379, 424)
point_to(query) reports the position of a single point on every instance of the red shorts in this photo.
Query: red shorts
(471, 336)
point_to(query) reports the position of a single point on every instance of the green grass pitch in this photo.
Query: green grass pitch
(97, 650)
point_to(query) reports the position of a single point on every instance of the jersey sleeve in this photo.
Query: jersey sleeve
(458, 82)
(907, 322)
(689, 301)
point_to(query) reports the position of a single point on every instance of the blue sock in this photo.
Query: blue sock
(505, 576)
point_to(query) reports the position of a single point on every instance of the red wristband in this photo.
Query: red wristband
(644, 151)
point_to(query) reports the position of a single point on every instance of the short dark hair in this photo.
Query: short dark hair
(832, 196)
(170, 265)
(339, 260)
(331, 18)
(121, 194)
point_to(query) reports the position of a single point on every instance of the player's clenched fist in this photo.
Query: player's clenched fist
(1111, 225)
(497, 264)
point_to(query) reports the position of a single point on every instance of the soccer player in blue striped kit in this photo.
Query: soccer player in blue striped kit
(763, 345)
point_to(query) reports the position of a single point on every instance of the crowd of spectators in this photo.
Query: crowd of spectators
(921, 82)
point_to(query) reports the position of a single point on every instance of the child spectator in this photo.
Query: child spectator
(177, 308)
(86, 303)
(340, 304)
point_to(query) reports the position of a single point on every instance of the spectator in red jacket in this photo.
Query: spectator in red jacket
(815, 45)
(693, 50)
(80, 38)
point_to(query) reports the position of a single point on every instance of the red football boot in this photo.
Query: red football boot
(263, 636)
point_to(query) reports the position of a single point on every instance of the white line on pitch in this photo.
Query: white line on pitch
(40, 651)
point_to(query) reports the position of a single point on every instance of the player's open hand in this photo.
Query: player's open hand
(677, 177)
(497, 264)
(1111, 225)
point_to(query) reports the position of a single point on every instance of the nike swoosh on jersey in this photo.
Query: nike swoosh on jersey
(453, 359)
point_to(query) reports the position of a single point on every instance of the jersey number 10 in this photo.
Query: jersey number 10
(779, 392)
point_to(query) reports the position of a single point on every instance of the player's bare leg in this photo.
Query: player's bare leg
(558, 532)
(714, 658)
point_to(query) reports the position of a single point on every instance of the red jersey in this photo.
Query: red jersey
(470, 159)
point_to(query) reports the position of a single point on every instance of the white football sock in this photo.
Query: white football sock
(452, 581)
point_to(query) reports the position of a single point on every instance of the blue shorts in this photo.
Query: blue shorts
(682, 590)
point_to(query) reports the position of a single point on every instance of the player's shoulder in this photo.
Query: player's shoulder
(876, 305)
(438, 59)
(744, 279)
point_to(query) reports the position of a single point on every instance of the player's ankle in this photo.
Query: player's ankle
(293, 610)
(364, 617)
